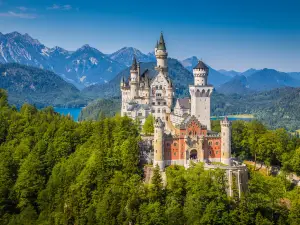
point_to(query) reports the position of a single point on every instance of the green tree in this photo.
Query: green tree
(148, 127)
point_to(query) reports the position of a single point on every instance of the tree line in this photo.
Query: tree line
(57, 171)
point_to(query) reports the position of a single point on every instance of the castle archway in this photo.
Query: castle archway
(193, 154)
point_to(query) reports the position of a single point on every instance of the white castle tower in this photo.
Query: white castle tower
(226, 141)
(159, 144)
(161, 56)
(200, 95)
(161, 85)
(134, 79)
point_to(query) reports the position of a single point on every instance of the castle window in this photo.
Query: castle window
(175, 153)
(175, 143)
(140, 114)
(210, 152)
(153, 110)
(217, 143)
(156, 87)
(165, 103)
(210, 143)
(159, 103)
(217, 152)
(153, 103)
(158, 110)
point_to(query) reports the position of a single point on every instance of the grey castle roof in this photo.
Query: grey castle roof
(134, 64)
(184, 103)
(161, 44)
(201, 65)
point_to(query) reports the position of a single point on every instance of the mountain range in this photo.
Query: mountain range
(89, 69)
(82, 67)
(258, 80)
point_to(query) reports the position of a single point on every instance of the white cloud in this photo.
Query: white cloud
(18, 15)
(22, 8)
(60, 7)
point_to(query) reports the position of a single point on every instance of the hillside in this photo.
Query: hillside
(37, 86)
(100, 108)
(262, 80)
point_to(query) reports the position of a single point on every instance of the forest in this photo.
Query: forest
(57, 171)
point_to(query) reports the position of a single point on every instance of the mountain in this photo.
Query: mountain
(37, 86)
(215, 78)
(190, 63)
(248, 72)
(126, 54)
(90, 66)
(237, 84)
(83, 67)
(261, 80)
(295, 75)
(230, 73)
(15, 47)
(180, 76)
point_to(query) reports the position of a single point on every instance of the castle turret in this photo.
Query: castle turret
(200, 94)
(161, 55)
(123, 83)
(134, 77)
(158, 144)
(226, 141)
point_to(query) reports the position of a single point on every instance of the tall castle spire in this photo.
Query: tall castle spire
(161, 55)
(134, 64)
(134, 79)
(161, 44)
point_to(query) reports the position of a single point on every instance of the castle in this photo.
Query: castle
(183, 134)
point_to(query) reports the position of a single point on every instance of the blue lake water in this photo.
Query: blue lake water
(74, 112)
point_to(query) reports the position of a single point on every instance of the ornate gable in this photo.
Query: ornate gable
(191, 121)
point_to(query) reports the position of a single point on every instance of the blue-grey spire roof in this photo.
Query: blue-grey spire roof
(134, 64)
(161, 44)
(201, 65)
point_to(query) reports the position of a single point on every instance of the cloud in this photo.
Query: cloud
(22, 8)
(18, 15)
(60, 7)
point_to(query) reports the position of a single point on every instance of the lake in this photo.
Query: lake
(74, 112)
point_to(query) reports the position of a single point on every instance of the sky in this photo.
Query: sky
(226, 34)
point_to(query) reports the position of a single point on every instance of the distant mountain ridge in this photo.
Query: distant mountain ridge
(88, 66)
(126, 54)
(260, 80)
(83, 67)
